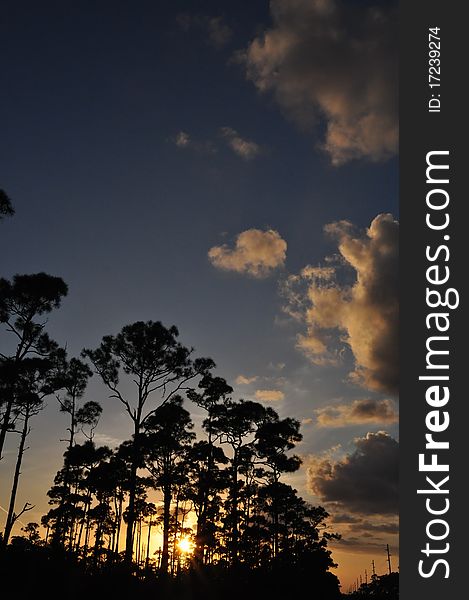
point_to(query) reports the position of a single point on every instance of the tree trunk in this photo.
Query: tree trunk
(119, 524)
(80, 532)
(129, 538)
(6, 421)
(275, 511)
(234, 512)
(201, 533)
(175, 535)
(166, 522)
(147, 559)
(20, 352)
(10, 521)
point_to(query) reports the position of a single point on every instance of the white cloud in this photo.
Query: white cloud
(102, 439)
(256, 253)
(327, 59)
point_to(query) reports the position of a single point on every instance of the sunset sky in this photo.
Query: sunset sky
(230, 168)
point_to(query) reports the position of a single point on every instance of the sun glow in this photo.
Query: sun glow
(185, 545)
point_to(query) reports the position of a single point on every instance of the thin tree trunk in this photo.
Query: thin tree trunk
(139, 540)
(10, 521)
(166, 520)
(129, 538)
(80, 533)
(234, 511)
(175, 536)
(87, 535)
(20, 353)
(119, 524)
(6, 422)
(147, 559)
(275, 511)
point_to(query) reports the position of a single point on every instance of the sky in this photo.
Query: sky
(230, 168)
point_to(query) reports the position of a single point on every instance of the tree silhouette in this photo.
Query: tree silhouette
(167, 439)
(234, 424)
(34, 381)
(157, 363)
(72, 492)
(6, 207)
(274, 437)
(32, 532)
(72, 379)
(212, 392)
(206, 482)
(22, 301)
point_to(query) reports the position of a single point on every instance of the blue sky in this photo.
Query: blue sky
(94, 97)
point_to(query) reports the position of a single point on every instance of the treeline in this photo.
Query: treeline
(381, 587)
(222, 509)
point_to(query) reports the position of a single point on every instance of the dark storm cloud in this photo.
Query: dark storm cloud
(335, 60)
(357, 545)
(346, 518)
(364, 482)
(367, 526)
(359, 412)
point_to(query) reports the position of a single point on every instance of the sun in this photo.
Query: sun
(185, 545)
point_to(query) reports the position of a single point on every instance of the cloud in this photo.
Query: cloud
(363, 482)
(246, 149)
(332, 60)
(107, 440)
(368, 526)
(363, 314)
(359, 412)
(184, 141)
(269, 395)
(321, 273)
(346, 518)
(242, 380)
(256, 253)
(357, 545)
(276, 366)
(218, 33)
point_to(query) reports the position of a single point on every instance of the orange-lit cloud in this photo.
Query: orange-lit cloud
(328, 59)
(269, 395)
(364, 314)
(256, 253)
(243, 380)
